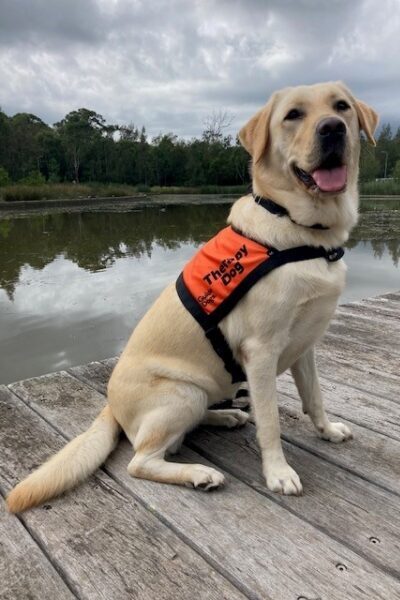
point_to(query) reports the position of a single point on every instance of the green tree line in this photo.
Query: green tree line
(382, 161)
(82, 147)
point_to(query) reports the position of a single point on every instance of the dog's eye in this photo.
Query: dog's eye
(342, 105)
(293, 115)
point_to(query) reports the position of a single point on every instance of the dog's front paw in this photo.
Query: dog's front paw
(283, 480)
(336, 432)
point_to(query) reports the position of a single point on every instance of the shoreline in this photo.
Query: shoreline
(140, 200)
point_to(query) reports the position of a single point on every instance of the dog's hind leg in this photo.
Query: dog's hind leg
(160, 431)
(305, 374)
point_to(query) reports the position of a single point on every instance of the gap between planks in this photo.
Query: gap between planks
(17, 534)
(293, 439)
(257, 483)
(192, 561)
(306, 448)
(294, 442)
(163, 490)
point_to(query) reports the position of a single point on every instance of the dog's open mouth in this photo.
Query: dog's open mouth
(326, 178)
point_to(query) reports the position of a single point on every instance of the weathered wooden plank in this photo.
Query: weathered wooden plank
(370, 455)
(364, 356)
(96, 373)
(361, 315)
(387, 307)
(373, 456)
(381, 314)
(373, 332)
(392, 296)
(102, 541)
(382, 301)
(363, 516)
(235, 526)
(377, 301)
(347, 401)
(373, 369)
(366, 368)
(366, 379)
(360, 407)
(357, 373)
(25, 572)
(55, 395)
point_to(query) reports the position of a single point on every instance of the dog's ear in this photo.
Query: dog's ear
(368, 119)
(254, 135)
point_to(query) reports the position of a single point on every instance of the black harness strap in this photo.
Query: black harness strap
(210, 325)
(209, 322)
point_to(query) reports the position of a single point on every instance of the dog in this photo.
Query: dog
(304, 145)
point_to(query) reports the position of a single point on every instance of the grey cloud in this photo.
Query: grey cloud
(169, 63)
(49, 23)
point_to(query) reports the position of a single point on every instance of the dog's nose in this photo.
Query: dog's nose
(331, 127)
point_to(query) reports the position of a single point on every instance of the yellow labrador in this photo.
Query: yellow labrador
(304, 145)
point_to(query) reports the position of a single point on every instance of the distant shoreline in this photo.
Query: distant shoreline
(139, 200)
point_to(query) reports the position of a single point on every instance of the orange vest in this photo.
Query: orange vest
(220, 266)
(222, 272)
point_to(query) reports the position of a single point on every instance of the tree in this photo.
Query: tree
(52, 160)
(215, 124)
(23, 146)
(396, 170)
(385, 151)
(168, 159)
(129, 132)
(369, 164)
(5, 132)
(4, 177)
(79, 131)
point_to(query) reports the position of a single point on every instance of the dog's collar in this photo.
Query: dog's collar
(281, 211)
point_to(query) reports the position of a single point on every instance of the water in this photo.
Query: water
(74, 284)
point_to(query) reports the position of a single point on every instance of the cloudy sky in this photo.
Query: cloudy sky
(168, 64)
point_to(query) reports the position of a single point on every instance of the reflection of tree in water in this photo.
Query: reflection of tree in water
(94, 240)
(394, 250)
(382, 229)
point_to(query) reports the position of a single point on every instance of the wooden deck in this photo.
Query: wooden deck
(116, 537)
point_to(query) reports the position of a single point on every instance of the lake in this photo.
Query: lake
(73, 284)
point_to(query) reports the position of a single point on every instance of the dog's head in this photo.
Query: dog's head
(307, 139)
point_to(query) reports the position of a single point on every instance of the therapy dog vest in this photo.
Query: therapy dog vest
(222, 272)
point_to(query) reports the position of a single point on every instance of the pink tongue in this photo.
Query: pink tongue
(330, 180)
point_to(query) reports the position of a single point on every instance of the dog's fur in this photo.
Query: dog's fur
(168, 375)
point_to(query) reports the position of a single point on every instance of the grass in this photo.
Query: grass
(381, 188)
(203, 189)
(55, 191)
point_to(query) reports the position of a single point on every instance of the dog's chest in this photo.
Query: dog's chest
(288, 309)
(316, 297)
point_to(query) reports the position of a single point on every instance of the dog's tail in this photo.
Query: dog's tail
(74, 463)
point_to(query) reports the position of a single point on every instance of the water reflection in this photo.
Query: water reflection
(94, 240)
(72, 286)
